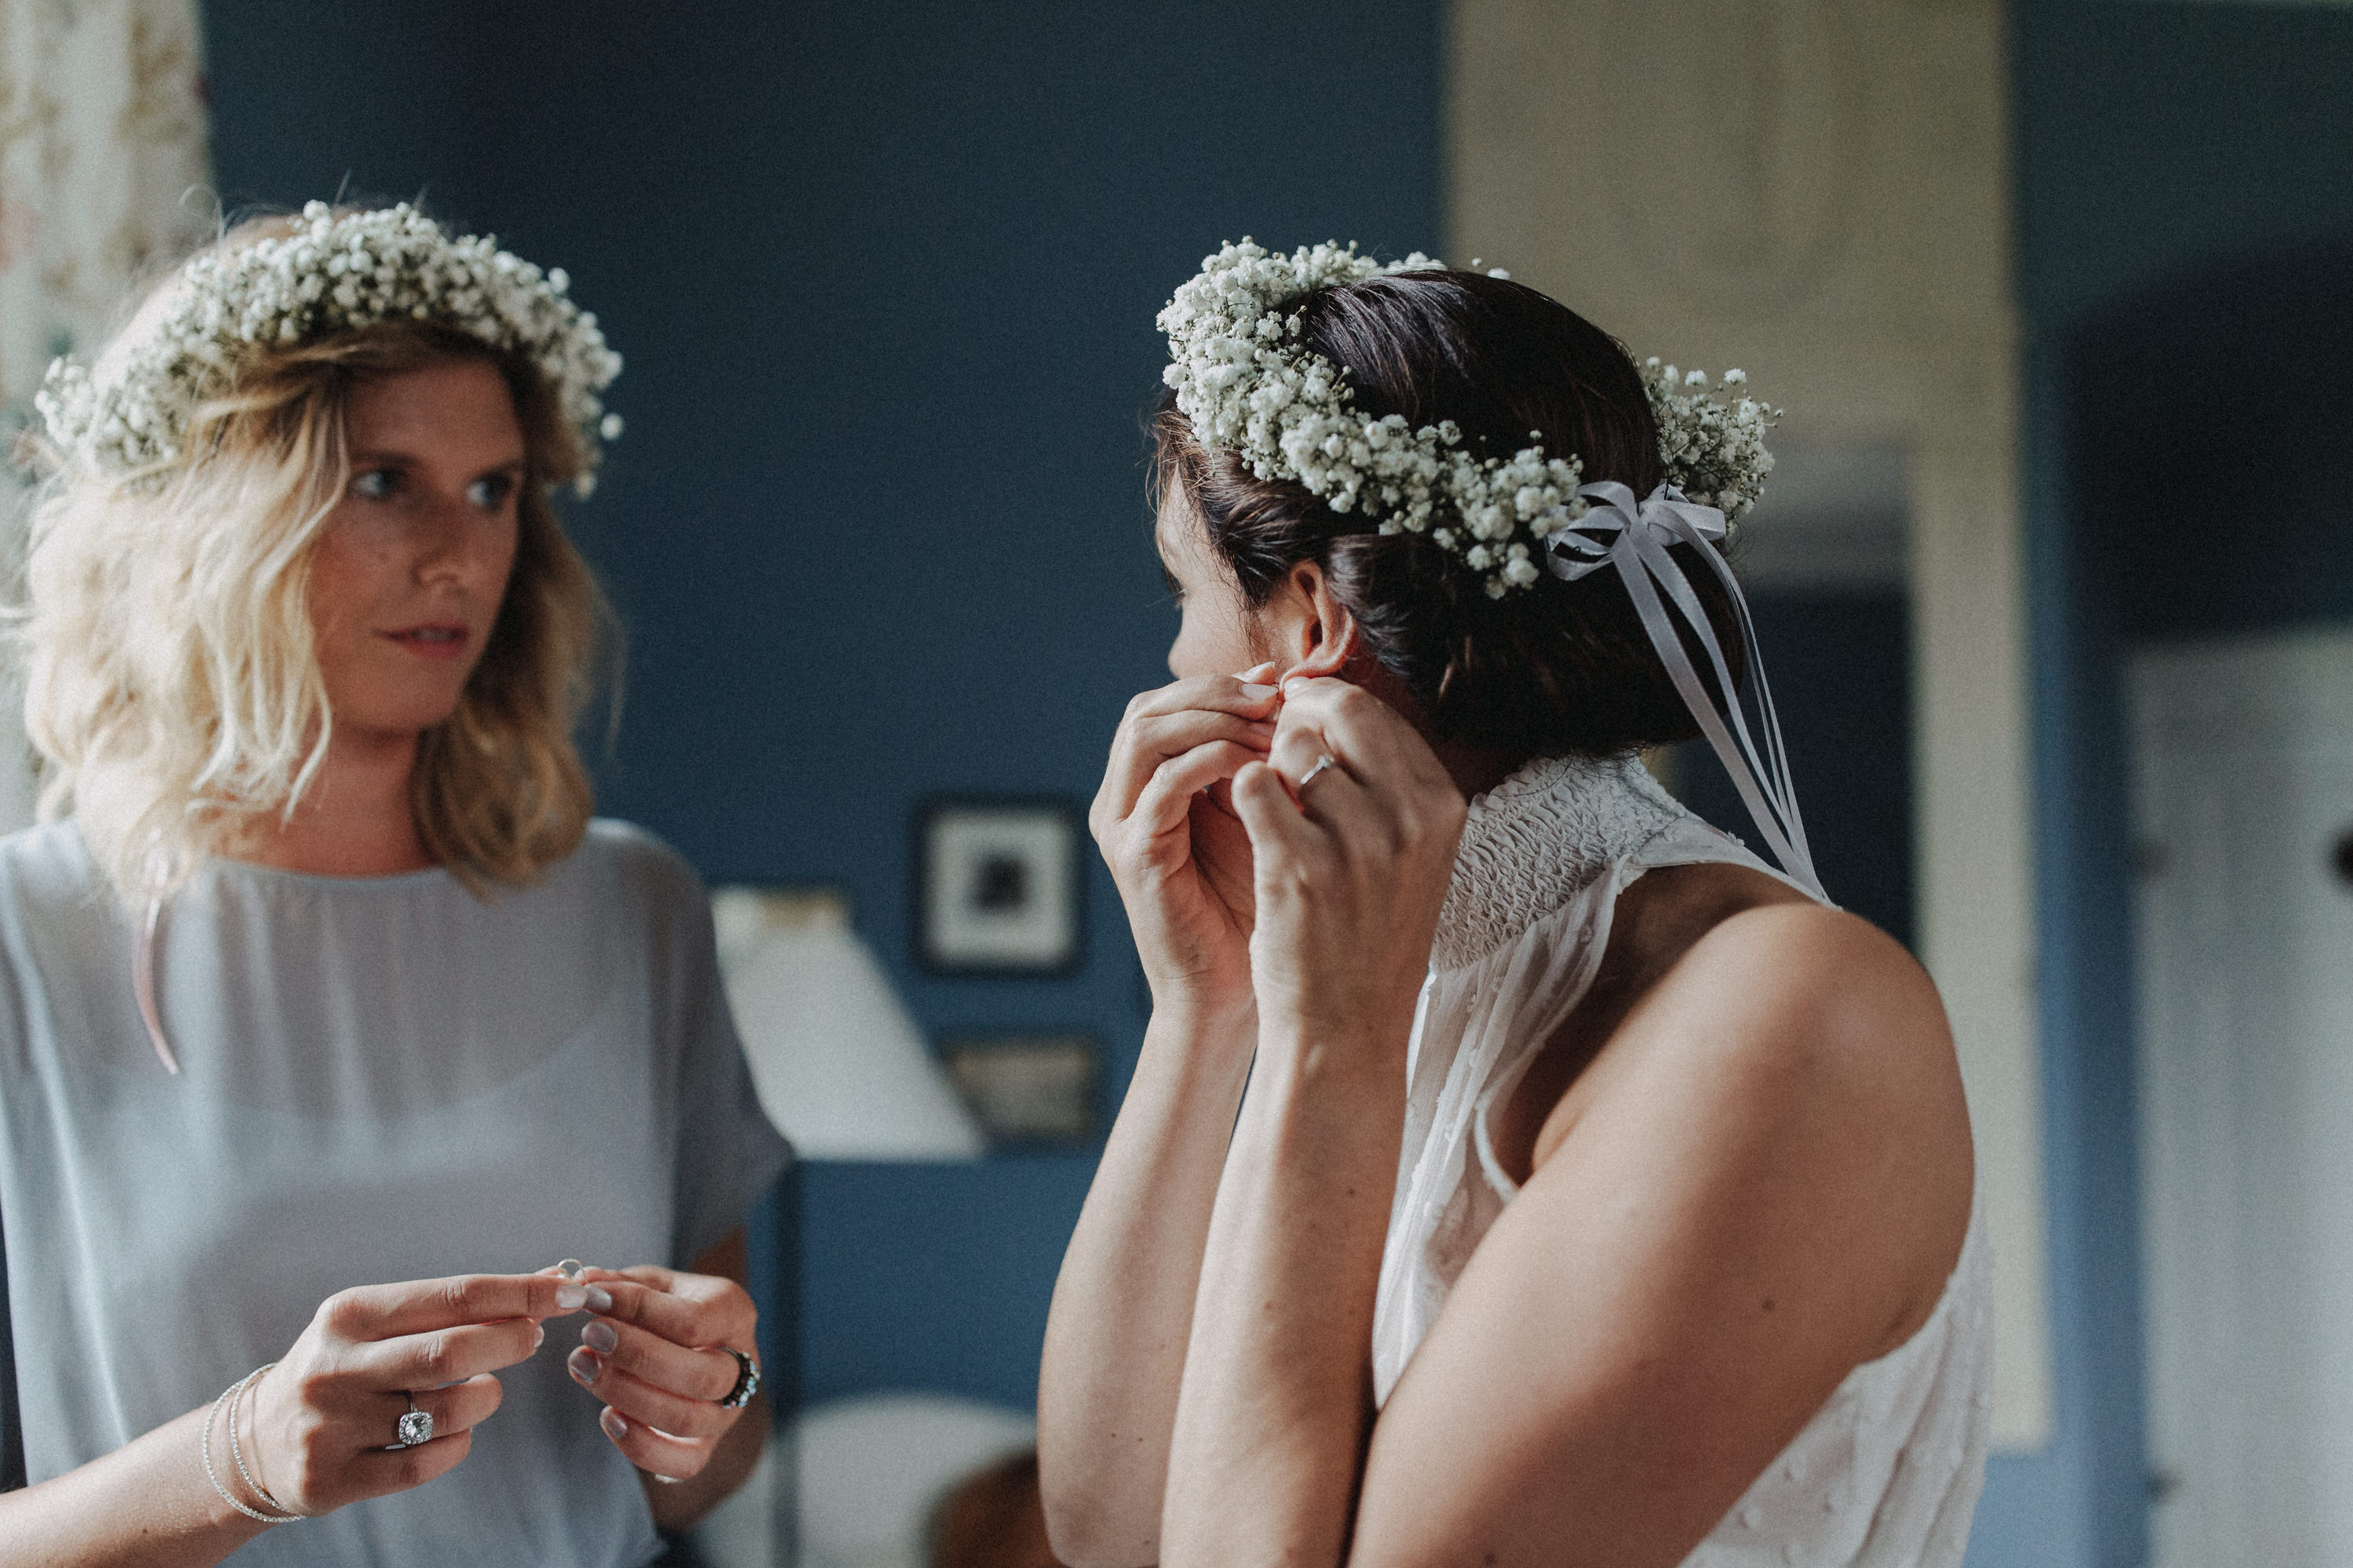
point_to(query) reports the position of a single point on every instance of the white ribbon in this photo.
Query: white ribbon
(1634, 538)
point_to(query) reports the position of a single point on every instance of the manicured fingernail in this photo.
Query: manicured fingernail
(600, 1300)
(599, 1336)
(538, 1335)
(571, 1297)
(582, 1364)
(1295, 686)
(1258, 693)
(616, 1424)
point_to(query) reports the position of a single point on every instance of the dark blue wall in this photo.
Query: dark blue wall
(1839, 662)
(2185, 206)
(884, 277)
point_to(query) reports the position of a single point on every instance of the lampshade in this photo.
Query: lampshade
(840, 1068)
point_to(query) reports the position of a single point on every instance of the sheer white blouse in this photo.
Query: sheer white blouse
(1887, 1473)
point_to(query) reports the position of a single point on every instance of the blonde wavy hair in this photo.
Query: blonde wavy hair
(173, 685)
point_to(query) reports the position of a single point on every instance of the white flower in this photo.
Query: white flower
(328, 275)
(1240, 376)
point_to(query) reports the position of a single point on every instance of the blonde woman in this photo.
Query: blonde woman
(328, 1017)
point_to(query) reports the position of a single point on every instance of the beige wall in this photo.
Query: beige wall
(1816, 191)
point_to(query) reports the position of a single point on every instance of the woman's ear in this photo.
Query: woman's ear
(1327, 631)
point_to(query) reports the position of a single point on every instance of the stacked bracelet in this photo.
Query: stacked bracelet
(230, 1396)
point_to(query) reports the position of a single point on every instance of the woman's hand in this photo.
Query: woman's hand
(1174, 845)
(652, 1352)
(1351, 864)
(326, 1417)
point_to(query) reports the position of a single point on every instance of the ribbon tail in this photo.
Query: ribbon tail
(1785, 788)
(1761, 775)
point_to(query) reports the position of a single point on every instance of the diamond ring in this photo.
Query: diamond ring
(415, 1428)
(1308, 777)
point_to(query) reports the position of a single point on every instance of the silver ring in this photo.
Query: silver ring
(1308, 777)
(747, 1379)
(415, 1427)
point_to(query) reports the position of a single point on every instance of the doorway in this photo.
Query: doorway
(2242, 756)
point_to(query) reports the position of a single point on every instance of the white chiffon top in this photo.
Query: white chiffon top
(1886, 1474)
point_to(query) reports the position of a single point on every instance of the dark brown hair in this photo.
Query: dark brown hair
(1557, 669)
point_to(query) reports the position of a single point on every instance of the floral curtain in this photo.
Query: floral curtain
(105, 173)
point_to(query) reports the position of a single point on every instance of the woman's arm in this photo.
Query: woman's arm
(1123, 1303)
(1277, 1398)
(147, 1503)
(317, 1428)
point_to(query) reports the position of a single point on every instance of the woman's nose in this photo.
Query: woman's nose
(448, 539)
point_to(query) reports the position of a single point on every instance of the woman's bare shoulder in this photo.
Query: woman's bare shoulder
(1795, 1052)
(1723, 965)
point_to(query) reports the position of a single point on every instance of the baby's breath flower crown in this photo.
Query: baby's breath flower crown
(333, 273)
(1245, 383)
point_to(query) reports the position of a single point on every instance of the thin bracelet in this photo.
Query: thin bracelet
(205, 1452)
(251, 1380)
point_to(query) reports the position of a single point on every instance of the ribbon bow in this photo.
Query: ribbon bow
(1634, 537)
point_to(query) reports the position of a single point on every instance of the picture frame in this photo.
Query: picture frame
(1031, 1090)
(999, 886)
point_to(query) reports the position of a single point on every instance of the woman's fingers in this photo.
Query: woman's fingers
(1226, 693)
(380, 1471)
(695, 1372)
(1131, 755)
(1283, 842)
(1350, 724)
(448, 1355)
(654, 1451)
(422, 1306)
(692, 1309)
(1165, 804)
(654, 1403)
(374, 1423)
(460, 1407)
(1145, 743)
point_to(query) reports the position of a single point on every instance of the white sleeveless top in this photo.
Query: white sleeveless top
(1886, 1474)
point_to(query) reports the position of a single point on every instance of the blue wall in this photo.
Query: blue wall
(2185, 203)
(884, 277)
(1840, 661)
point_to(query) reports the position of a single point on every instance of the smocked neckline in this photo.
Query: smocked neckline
(1551, 827)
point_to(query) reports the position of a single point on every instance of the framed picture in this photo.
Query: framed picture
(999, 884)
(1039, 1090)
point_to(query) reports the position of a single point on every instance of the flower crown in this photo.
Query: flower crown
(333, 273)
(1245, 385)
